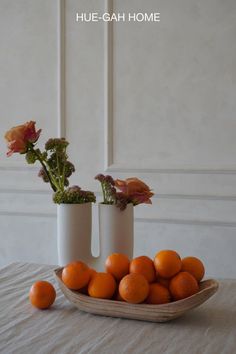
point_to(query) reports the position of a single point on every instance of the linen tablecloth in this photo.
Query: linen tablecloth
(209, 329)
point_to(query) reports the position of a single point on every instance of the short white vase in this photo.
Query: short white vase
(74, 225)
(115, 231)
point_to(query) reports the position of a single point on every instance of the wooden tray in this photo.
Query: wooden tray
(144, 312)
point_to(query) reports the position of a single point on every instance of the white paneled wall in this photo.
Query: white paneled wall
(156, 101)
(28, 90)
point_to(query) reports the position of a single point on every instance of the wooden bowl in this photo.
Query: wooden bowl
(143, 312)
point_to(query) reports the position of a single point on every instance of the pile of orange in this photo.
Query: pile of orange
(141, 280)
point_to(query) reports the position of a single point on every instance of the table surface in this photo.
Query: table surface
(209, 329)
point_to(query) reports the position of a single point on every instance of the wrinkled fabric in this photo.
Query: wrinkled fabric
(63, 329)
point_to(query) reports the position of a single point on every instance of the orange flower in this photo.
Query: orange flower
(136, 190)
(18, 137)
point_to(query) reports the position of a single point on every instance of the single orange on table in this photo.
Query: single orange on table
(183, 285)
(134, 288)
(102, 285)
(42, 294)
(158, 294)
(76, 275)
(194, 266)
(167, 263)
(117, 264)
(143, 265)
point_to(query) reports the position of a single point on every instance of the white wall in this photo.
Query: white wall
(162, 108)
(28, 90)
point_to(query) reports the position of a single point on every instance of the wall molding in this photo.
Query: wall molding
(27, 214)
(109, 163)
(156, 196)
(61, 69)
(195, 197)
(46, 208)
(108, 88)
(24, 191)
(203, 223)
(210, 223)
(123, 169)
(18, 167)
(61, 120)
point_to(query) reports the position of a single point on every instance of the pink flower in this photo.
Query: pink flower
(136, 190)
(31, 135)
(18, 137)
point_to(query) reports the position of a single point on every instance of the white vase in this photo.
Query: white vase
(74, 232)
(115, 231)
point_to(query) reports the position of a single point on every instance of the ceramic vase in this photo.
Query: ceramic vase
(74, 224)
(115, 230)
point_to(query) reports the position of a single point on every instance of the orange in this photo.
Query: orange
(143, 265)
(42, 294)
(76, 275)
(164, 282)
(194, 266)
(102, 285)
(92, 272)
(117, 296)
(84, 290)
(134, 288)
(183, 285)
(158, 294)
(117, 264)
(167, 263)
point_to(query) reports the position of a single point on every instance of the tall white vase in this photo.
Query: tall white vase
(115, 231)
(74, 232)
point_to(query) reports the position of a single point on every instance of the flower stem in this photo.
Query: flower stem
(53, 179)
(104, 193)
(54, 187)
(63, 175)
(59, 173)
